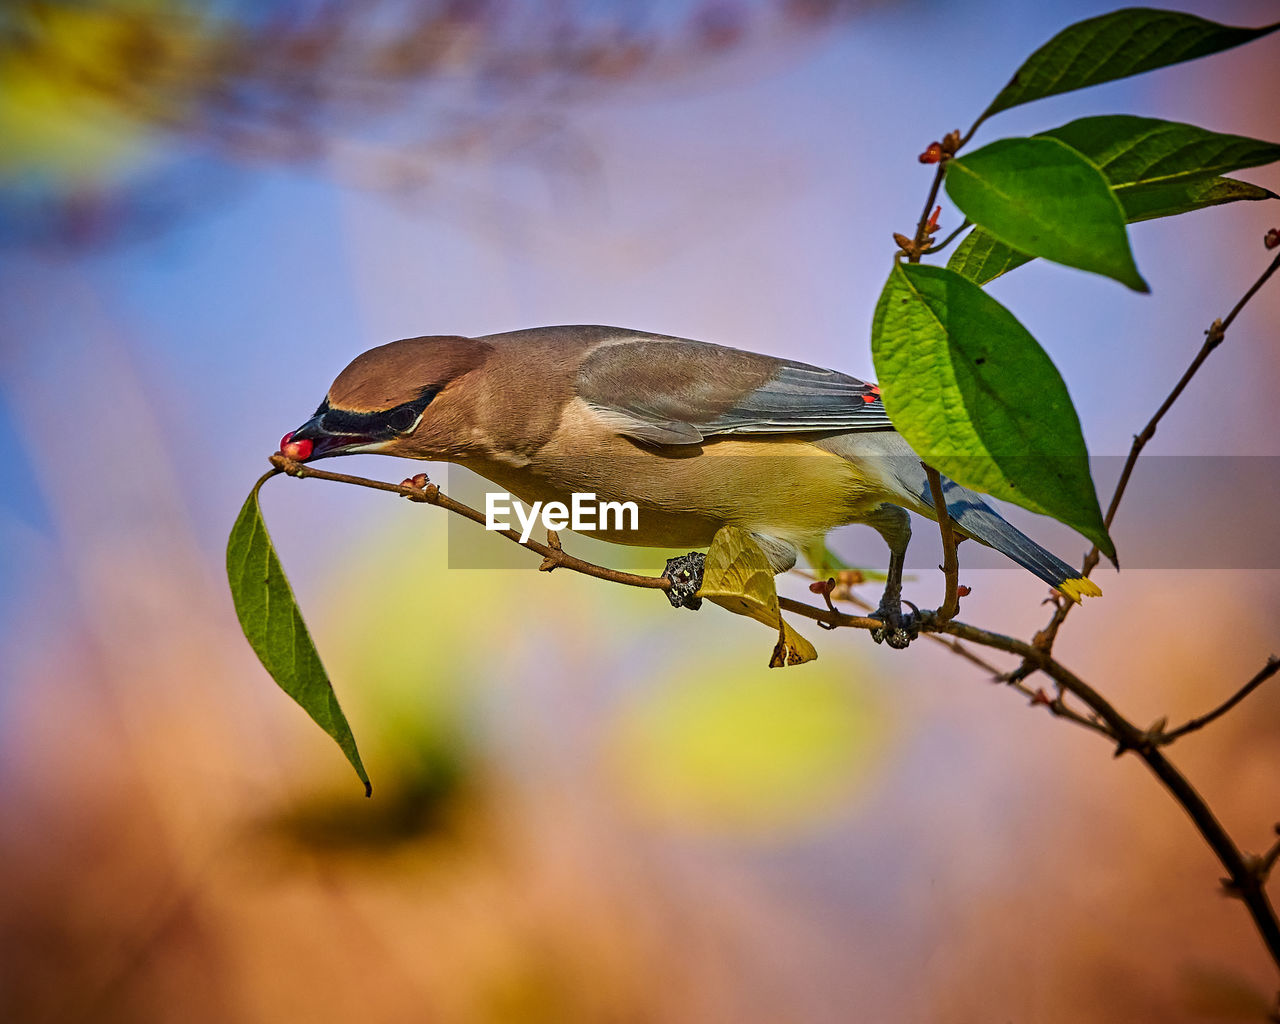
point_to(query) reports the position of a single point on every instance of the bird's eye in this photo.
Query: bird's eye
(402, 419)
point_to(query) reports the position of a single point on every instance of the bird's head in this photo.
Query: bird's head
(388, 401)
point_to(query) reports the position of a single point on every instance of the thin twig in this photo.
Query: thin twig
(828, 616)
(1265, 863)
(552, 557)
(1213, 338)
(954, 646)
(1266, 672)
(972, 128)
(949, 239)
(950, 566)
(1058, 707)
(922, 226)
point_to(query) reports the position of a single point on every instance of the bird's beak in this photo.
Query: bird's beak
(311, 441)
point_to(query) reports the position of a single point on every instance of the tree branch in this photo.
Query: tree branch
(950, 566)
(920, 241)
(828, 616)
(967, 223)
(1266, 672)
(1213, 338)
(1264, 864)
(553, 556)
(955, 646)
(1242, 878)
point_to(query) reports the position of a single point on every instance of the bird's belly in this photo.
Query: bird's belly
(788, 489)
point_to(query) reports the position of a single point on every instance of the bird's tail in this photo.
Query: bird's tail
(983, 524)
(886, 455)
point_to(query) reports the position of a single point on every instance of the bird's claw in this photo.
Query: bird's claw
(685, 574)
(899, 628)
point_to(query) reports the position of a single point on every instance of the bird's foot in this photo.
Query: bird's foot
(899, 628)
(685, 574)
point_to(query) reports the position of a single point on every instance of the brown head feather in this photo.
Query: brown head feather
(393, 374)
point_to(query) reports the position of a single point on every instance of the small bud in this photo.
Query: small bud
(963, 591)
(931, 155)
(932, 225)
(1040, 697)
(903, 242)
(1272, 238)
(299, 451)
(821, 586)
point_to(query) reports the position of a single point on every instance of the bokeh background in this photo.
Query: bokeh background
(587, 808)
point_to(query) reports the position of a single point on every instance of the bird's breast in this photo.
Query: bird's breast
(782, 487)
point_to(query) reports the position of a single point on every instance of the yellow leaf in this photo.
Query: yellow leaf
(791, 648)
(737, 577)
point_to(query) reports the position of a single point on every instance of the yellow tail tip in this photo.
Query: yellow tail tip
(1079, 588)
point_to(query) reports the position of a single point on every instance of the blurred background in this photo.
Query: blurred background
(587, 808)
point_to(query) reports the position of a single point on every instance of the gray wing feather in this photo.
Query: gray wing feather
(806, 398)
(671, 391)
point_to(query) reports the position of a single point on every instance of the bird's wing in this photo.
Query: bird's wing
(672, 392)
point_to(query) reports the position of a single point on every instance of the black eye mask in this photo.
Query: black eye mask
(376, 426)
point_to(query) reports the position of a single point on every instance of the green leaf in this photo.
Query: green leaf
(981, 258)
(1041, 197)
(1168, 199)
(977, 397)
(273, 626)
(1136, 153)
(1116, 45)
(1155, 168)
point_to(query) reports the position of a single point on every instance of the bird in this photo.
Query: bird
(698, 435)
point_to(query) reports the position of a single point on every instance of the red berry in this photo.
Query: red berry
(1272, 238)
(299, 451)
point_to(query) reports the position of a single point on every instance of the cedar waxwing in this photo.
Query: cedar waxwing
(699, 436)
